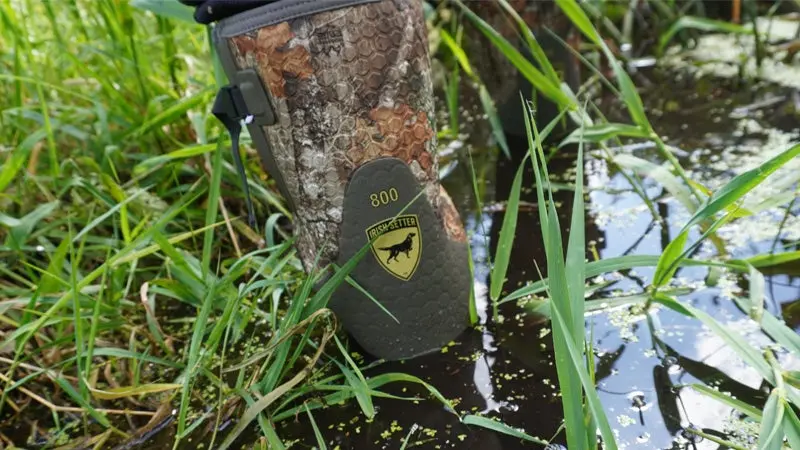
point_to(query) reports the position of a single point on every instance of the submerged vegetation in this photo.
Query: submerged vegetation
(134, 299)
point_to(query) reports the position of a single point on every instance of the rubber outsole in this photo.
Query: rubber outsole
(413, 269)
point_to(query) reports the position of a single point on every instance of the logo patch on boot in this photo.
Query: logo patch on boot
(397, 245)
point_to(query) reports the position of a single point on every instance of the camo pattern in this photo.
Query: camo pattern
(348, 86)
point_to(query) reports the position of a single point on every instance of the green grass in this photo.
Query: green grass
(566, 293)
(112, 210)
(564, 289)
(129, 283)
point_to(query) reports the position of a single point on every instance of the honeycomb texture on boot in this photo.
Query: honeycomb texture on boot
(347, 85)
(432, 306)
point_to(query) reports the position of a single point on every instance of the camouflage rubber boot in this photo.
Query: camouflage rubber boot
(339, 102)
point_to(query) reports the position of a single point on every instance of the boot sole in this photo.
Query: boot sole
(413, 269)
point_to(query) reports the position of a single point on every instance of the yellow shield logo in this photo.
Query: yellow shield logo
(397, 245)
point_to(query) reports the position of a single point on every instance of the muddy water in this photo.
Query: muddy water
(504, 368)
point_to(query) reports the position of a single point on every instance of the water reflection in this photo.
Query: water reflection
(478, 223)
(645, 362)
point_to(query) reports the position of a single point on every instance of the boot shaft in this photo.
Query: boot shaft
(346, 82)
(339, 103)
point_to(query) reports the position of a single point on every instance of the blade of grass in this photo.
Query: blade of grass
(724, 197)
(791, 427)
(507, 232)
(317, 434)
(212, 208)
(123, 353)
(273, 439)
(770, 436)
(576, 250)
(255, 410)
(667, 263)
(742, 184)
(634, 103)
(769, 260)
(604, 131)
(95, 324)
(452, 101)
(320, 299)
(275, 365)
(491, 112)
(536, 77)
(183, 153)
(591, 426)
(357, 381)
(374, 383)
(382, 379)
(291, 324)
(756, 289)
(267, 427)
(628, 90)
(194, 356)
(132, 391)
(52, 151)
(487, 103)
(792, 377)
(723, 444)
(372, 298)
(172, 113)
(19, 235)
(662, 175)
(773, 327)
(737, 404)
(734, 340)
(149, 250)
(702, 24)
(102, 217)
(473, 305)
(78, 398)
(169, 8)
(540, 180)
(554, 252)
(563, 332)
(500, 427)
(592, 398)
(608, 265)
(16, 160)
(458, 52)
(533, 45)
(407, 439)
(49, 282)
(78, 323)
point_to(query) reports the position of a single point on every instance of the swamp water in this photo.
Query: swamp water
(504, 367)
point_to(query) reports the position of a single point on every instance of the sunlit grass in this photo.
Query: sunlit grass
(709, 211)
(130, 286)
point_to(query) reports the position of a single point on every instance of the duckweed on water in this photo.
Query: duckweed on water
(625, 420)
(728, 56)
(504, 368)
(742, 431)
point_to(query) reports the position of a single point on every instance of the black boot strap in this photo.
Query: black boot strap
(230, 108)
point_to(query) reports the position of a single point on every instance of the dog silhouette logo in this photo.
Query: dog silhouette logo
(405, 247)
(397, 245)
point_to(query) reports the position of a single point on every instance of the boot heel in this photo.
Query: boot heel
(414, 270)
